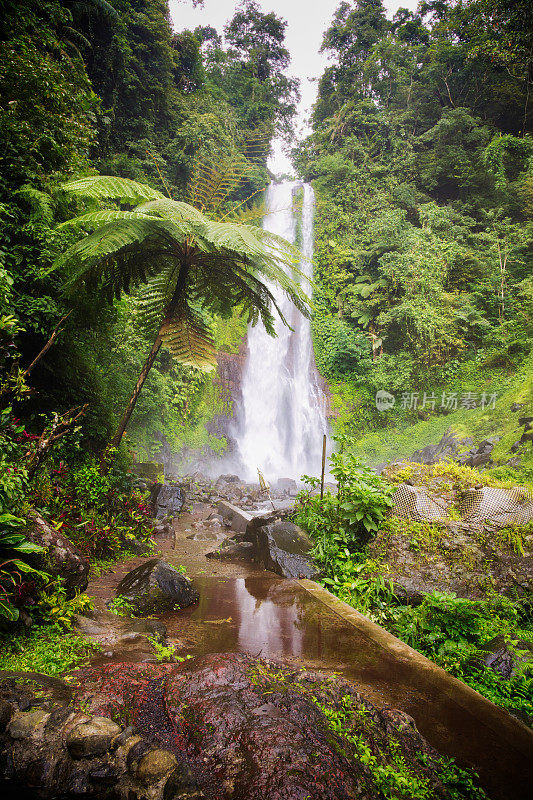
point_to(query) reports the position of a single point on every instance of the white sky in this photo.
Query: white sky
(307, 21)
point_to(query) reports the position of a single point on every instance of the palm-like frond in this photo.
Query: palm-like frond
(188, 339)
(225, 264)
(109, 187)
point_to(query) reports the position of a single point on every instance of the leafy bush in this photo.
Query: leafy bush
(346, 520)
(18, 579)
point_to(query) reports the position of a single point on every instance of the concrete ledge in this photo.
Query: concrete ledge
(237, 518)
(517, 736)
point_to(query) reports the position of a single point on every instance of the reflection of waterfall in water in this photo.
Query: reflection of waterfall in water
(282, 420)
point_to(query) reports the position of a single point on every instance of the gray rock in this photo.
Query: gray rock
(506, 659)
(157, 586)
(169, 500)
(287, 484)
(93, 738)
(285, 549)
(233, 550)
(61, 557)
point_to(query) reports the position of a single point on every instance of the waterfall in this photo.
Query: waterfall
(282, 420)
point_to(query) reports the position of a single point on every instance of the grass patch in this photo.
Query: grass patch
(48, 649)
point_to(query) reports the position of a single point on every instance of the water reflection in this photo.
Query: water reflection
(270, 617)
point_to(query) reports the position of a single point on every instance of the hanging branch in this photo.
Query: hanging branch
(17, 376)
(57, 330)
(61, 424)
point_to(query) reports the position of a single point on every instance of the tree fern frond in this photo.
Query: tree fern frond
(97, 218)
(119, 253)
(188, 339)
(172, 209)
(108, 187)
(41, 204)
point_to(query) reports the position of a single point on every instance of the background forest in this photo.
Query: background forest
(422, 161)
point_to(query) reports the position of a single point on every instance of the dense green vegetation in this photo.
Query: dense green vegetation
(174, 117)
(421, 159)
(452, 631)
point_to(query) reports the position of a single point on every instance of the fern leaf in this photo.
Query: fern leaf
(188, 339)
(108, 187)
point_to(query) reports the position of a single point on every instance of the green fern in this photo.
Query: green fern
(222, 265)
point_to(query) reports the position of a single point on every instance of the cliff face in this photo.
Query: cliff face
(228, 382)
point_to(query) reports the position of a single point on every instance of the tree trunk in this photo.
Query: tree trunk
(117, 438)
(176, 297)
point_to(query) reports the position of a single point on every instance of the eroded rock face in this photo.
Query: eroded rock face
(157, 586)
(253, 729)
(62, 558)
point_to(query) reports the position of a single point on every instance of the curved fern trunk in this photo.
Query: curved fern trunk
(147, 366)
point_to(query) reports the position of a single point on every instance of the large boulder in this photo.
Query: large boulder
(62, 559)
(412, 502)
(254, 729)
(285, 548)
(156, 586)
(168, 499)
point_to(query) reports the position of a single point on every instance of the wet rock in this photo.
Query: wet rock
(505, 658)
(61, 557)
(233, 551)
(155, 765)
(285, 549)
(92, 738)
(157, 586)
(169, 501)
(6, 712)
(28, 724)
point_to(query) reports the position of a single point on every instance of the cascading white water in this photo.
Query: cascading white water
(282, 420)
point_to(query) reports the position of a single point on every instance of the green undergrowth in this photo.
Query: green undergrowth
(50, 650)
(390, 773)
(50, 645)
(454, 632)
(393, 441)
(383, 758)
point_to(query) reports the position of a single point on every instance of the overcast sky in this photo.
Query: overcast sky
(307, 21)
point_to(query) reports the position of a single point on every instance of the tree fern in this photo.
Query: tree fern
(179, 260)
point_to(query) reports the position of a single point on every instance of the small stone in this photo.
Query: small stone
(27, 724)
(155, 765)
(92, 738)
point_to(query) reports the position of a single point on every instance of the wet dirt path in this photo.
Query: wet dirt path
(178, 548)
